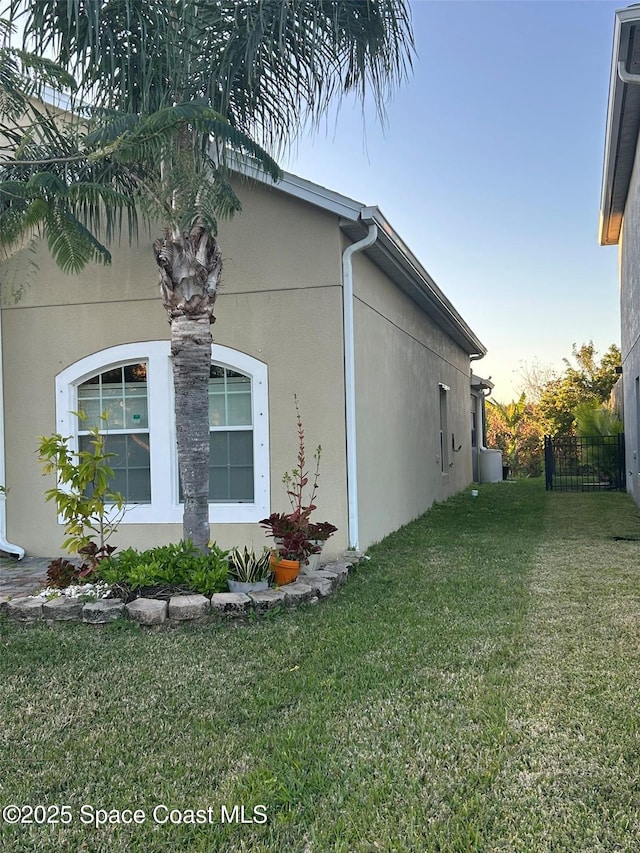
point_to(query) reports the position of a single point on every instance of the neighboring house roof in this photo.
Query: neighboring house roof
(623, 124)
(478, 383)
(388, 252)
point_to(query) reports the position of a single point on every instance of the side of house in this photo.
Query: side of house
(620, 218)
(100, 340)
(413, 388)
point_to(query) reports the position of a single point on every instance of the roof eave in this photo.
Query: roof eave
(389, 250)
(390, 253)
(617, 159)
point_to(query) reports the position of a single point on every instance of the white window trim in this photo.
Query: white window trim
(164, 507)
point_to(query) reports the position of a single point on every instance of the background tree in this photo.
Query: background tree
(589, 380)
(244, 74)
(535, 377)
(513, 428)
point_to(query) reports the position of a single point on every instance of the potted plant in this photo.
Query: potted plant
(318, 532)
(292, 545)
(294, 535)
(248, 571)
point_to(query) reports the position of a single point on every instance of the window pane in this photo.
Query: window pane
(91, 408)
(116, 444)
(218, 484)
(88, 391)
(135, 373)
(138, 450)
(216, 372)
(218, 448)
(114, 413)
(138, 487)
(239, 410)
(237, 382)
(217, 413)
(135, 411)
(241, 484)
(240, 448)
(112, 377)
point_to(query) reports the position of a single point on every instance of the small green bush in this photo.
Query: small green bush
(177, 565)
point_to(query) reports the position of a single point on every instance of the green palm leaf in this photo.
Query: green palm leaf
(71, 244)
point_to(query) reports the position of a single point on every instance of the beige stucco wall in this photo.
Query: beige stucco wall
(630, 328)
(401, 357)
(280, 302)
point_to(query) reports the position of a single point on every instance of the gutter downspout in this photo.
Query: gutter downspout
(4, 544)
(350, 382)
(484, 415)
(627, 76)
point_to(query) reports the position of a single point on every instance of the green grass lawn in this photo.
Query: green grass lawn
(473, 687)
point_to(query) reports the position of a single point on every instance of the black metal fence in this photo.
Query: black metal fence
(584, 464)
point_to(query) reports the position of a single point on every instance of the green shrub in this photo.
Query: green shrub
(82, 495)
(177, 565)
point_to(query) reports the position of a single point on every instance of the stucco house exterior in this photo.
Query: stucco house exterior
(320, 298)
(620, 219)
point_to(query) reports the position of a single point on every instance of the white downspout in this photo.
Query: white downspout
(350, 382)
(4, 545)
(627, 76)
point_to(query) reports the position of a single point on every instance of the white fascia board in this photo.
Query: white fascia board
(418, 274)
(54, 98)
(624, 19)
(297, 187)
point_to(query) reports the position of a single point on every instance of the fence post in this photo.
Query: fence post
(548, 462)
(622, 462)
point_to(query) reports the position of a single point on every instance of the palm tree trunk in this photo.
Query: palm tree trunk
(190, 266)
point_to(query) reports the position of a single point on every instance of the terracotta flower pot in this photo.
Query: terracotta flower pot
(284, 571)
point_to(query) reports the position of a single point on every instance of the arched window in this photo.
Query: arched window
(132, 384)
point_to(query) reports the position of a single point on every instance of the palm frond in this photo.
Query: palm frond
(147, 137)
(71, 244)
(227, 75)
(266, 65)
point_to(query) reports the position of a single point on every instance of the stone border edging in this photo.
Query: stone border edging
(179, 609)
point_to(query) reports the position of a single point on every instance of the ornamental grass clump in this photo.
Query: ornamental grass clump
(245, 566)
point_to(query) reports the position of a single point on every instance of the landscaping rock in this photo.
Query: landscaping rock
(63, 609)
(147, 611)
(178, 605)
(25, 609)
(268, 599)
(183, 607)
(296, 592)
(230, 602)
(322, 583)
(103, 611)
(341, 569)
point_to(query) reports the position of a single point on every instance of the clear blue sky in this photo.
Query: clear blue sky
(490, 169)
